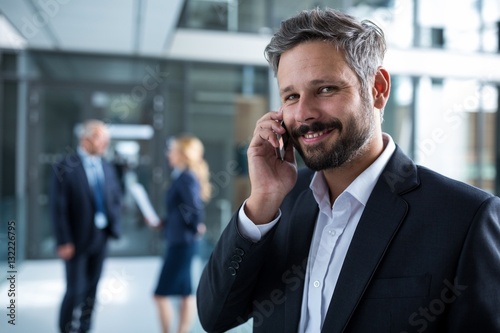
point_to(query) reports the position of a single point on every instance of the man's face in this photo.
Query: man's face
(329, 122)
(98, 143)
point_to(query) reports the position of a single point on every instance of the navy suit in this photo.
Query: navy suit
(425, 257)
(73, 211)
(185, 211)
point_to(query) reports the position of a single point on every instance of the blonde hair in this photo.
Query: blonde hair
(192, 150)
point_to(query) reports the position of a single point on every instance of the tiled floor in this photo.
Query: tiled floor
(124, 305)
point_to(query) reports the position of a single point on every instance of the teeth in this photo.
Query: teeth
(313, 135)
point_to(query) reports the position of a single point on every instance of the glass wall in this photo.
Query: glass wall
(256, 16)
(456, 129)
(457, 117)
(470, 26)
(144, 102)
(12, 203)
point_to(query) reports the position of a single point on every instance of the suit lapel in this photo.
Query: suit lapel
(383, 214)
(83, 180)
(300, 231)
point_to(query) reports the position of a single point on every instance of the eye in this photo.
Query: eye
(291, 97)
(328, 89)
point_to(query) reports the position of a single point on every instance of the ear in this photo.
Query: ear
(381, 88)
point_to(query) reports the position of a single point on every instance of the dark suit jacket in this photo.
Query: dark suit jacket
(72, 203)
(185, 209)
(425, 257)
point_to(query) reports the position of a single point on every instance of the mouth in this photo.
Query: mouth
(312, 137)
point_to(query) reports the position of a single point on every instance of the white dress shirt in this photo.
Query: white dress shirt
(89, 162)
(332, 236)
(94, 171)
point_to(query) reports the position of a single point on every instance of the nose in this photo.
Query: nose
(306, 110)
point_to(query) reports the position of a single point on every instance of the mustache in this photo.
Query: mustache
(316, 127)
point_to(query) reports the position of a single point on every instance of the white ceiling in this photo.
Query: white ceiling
(142, 27)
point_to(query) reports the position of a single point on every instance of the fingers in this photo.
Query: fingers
(268, 126)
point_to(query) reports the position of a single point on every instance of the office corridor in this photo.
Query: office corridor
(125, 304)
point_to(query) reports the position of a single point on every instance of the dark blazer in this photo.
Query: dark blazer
(72, 203)
(185, 209)
(425, 257)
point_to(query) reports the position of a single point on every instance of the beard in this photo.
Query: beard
(352, 138)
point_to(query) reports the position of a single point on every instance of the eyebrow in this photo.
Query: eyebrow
(286, 89)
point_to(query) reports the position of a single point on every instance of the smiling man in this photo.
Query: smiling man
(363, 240)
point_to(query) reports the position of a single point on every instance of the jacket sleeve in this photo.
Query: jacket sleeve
(59, 205)
(229, 278)
(474, 296)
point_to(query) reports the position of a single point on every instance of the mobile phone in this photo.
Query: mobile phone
(283, 142)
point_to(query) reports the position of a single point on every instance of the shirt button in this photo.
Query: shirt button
(316, 284)
(331, 232)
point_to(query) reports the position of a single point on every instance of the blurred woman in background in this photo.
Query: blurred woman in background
(183, 226)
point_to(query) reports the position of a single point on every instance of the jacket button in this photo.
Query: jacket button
(235, 264)
(237, 258)
(239, 251)
(232, 271)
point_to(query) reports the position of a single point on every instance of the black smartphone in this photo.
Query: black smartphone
(283, 141)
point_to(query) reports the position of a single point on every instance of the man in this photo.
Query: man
(85, 203)
(363, 240)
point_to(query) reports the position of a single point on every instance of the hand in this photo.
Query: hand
(271, 178)
(154, 224)
(201, 229)
(66, 251)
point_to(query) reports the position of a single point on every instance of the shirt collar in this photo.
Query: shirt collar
(87, 158)
(363, 185)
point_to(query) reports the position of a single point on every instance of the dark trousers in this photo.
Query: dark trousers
(82, 276)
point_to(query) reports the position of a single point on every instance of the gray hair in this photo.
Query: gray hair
(362, 43)
(89, 128)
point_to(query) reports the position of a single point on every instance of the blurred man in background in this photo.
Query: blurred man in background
(85, 204)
